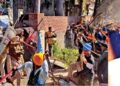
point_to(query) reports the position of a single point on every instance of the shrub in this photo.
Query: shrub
(66, 55)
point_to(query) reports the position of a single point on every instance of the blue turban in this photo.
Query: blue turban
(87, 47)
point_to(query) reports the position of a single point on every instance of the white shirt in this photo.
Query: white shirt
(28, 66)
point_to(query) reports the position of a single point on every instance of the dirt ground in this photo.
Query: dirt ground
(49, 81)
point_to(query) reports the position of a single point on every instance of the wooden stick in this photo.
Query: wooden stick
(7, 75)
(94, 18)
(28, 45)
(53, 77)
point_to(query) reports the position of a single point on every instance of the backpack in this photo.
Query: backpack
(34, 79)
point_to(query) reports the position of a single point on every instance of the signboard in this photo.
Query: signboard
(42, 40)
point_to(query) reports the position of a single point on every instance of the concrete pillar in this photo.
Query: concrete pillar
(15, 11)
(59, 7)
(84, 12)
(38, 4)
(11, 3)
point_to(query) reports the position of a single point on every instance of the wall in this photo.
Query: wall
(58, 23)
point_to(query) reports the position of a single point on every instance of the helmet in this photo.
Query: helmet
(38, 59)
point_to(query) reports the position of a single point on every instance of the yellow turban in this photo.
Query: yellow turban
(38, 59)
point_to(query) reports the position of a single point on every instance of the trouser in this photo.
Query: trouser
(50, 49)
(96, 64)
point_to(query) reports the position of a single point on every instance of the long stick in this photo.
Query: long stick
(33, 31)
(33, 48)
(7, 75)
(94, 18)
(17, 20)
(50, 68)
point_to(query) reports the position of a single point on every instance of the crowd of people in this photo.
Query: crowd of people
(92, 62)
(20, 54)
(92, 44)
